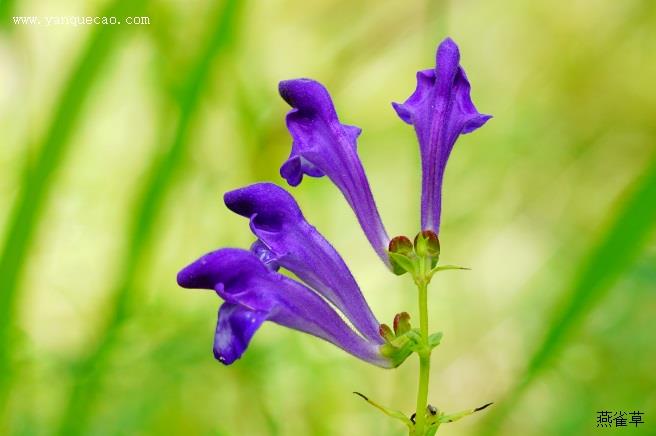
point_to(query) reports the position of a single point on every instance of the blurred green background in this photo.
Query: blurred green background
(117, 142)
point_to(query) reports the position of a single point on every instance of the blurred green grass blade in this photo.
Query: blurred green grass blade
(89, 372)
(615, 251)
(39, 173)
(7, 8)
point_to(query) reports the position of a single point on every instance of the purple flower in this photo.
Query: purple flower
(254, 293)
(440, 109)
(287, 240)
(323, 146)
(324, 289)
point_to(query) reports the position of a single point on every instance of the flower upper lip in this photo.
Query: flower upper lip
(307, 95)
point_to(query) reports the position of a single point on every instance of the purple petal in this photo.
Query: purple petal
(286, 239)
(242, 280)
(265, 255)
(323, 146)
(234, 330)
(440, 109)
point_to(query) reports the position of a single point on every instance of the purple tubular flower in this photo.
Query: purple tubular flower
(286, 239)
(254, 293)
(440, 109)
(323, 146)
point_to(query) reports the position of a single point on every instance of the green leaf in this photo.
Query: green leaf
(389, 412)
(434, 339)
(443, 418)
(448, 267)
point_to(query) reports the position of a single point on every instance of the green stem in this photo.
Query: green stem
(422, 394)
(424, 353)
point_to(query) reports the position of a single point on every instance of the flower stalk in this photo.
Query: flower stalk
(424, 351)
(427, 252)
(420, 260)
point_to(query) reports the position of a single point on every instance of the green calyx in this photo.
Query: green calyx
(427, 244)
(401, 255)
(419, 258)
(402, 323)
(406, 256)
(402, 340)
